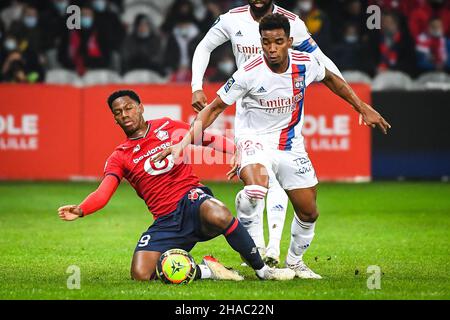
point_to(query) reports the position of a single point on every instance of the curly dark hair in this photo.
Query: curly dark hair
(275, 21)
(123, 93)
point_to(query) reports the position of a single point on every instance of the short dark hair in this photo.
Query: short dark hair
(275, 21)
(123, 93)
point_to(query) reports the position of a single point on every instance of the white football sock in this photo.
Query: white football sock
(302, 234)
(205, 272)
(250, 208)
(277, 201)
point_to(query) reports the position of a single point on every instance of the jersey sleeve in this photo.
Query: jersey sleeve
(234, 89)
(316, 70)
(302, 38)
(114, 166)
(216, 36)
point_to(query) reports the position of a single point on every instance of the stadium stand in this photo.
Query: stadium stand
(355, 76)
(102, 76)
(392, 80)
(143, 76)
(62, 76)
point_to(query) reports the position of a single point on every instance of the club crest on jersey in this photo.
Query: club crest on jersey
(137, 148)
(229, 84)
(299, 83)
(162, 135)
(196, 194)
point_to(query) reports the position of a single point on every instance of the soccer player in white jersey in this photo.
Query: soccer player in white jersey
(272, 122)
(240, 26)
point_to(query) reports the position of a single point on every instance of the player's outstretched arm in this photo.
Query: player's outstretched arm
(194, 136)
(94, 202)
(341, 88)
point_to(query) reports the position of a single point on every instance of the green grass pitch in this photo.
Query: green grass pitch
(403, 228)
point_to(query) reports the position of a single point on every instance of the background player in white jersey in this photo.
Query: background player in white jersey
(240, 27)
(273, 118)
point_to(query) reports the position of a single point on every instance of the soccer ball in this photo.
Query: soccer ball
(176, 266)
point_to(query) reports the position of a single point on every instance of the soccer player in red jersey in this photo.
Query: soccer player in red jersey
(184, 210)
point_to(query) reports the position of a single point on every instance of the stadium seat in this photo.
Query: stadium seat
(433, 80)
(62, 76)
(143, 76)
(101, 76)
(392, 80)
(133, 9)
(355, 76)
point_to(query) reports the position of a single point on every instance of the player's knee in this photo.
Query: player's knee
(249, 198)
(139, 274)
(255, 174)
(309, 215)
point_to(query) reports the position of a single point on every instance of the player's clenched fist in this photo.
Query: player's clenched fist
(199, 100)
(70, 212)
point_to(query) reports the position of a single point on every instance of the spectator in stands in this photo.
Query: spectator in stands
(12, 13)
(392, 48)
(182, 40)
(425, 10)
(433, 48)
(142, 48)
(87, 48)
(398, 6)
(353, 14)
(54, 23)
(213, 11)
(225, 67)
(27, 30)
(316, 21)
(109, 23)
(17, 66)
(181, 10)
(351, 52)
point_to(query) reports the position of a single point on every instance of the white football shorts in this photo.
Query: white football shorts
(292, 169)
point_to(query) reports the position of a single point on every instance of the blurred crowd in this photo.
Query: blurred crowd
(414, 36)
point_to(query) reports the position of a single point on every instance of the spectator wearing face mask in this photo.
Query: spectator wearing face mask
(392, 48)
(109, 23)
(182, 40)
(316, 21)
(425, 11)
(54, 23)
(18, 66)
(27, 30)
(433, 48)
(225, 68)
(87, 48)
(351, 52)
(142, 48)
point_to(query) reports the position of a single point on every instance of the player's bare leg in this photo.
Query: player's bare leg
(302, 230)
(143, 265)
(250, 202)
(216, 219)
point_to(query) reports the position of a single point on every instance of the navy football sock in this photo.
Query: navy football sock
(239, 239)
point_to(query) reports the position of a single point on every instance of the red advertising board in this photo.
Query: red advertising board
(40, 136)
(61, 132)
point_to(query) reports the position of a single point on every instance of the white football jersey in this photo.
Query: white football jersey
(238, 26)
(272, 104)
